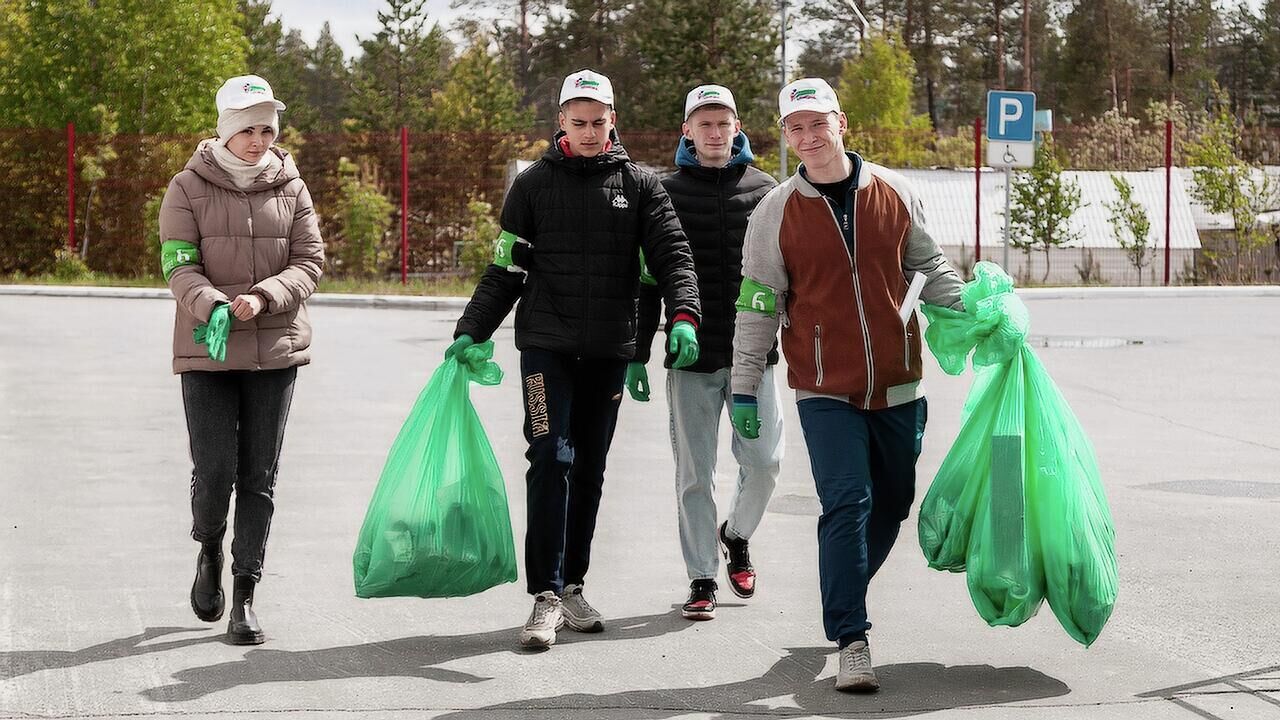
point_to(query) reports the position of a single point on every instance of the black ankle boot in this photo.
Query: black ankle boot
(207, 599)
(243, 628)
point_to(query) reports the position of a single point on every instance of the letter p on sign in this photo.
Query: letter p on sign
(1010, 111)
(1011, 116)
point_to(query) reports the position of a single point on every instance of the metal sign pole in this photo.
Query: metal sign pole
(1008, 175)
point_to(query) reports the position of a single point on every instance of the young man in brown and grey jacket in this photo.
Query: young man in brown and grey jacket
(831, 255)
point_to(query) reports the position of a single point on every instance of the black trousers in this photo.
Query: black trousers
(571, 409)
(236, 421)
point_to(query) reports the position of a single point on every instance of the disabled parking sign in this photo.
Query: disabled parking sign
(1011, 129)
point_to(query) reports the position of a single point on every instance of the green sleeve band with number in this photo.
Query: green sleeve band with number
(646, 278)
(502, 249)
(176, 253)
(757, 297)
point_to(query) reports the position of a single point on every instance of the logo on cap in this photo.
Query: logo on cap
(703, 94)
(804, 94)
(255, 89)
(587, 84)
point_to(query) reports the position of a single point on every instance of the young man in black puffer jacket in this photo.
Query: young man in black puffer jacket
(714, 190)
(573, 227)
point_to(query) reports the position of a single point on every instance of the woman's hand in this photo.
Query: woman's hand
(246, 307)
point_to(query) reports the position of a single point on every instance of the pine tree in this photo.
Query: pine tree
(480, 95)
(680, 45)
(402, 64)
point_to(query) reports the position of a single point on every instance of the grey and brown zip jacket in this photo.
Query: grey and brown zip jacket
(836, 298)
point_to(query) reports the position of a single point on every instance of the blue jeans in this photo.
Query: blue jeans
(864, 468)
(697, 401)
(236, 419)
(570, 411)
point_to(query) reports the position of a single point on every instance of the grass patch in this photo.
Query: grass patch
(451, 287)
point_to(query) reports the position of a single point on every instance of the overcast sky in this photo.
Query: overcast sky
(347, 18)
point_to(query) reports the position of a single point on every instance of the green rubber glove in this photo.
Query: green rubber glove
(746, 416)
(214, 333)
(638, 381)
(683, 343)
(463, 342)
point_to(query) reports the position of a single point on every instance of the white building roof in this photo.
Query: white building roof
(949, 206)
(1206, 220)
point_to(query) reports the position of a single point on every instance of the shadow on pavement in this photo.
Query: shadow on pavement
(791, 687)
(402, 657)
(14, 663)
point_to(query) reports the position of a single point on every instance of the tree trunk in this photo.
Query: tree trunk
(524, 51)
(600, 30)
(1026, 45)
(999, 47)
(1111, 60)
(88, 216)
(930, 83)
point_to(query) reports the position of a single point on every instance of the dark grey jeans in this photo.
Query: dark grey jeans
(236, 420)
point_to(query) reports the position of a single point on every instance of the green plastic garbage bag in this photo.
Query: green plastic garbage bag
(1077, 537)
(974, 519)
(438, 524)
(1018, 502)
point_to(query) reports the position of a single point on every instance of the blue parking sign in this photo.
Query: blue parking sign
(1011, 116)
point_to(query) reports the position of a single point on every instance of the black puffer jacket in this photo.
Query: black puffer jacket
(587, 220)
(713, 205)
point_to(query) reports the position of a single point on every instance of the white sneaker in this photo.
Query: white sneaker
(540, 630)
(856, 674)
(578, 613)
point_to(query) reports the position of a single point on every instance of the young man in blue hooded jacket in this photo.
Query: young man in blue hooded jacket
(714, 190)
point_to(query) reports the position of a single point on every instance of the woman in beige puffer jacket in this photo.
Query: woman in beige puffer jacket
(241, 246)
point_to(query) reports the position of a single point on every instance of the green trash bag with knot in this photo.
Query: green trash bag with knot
(1017, 503)
(438, 523)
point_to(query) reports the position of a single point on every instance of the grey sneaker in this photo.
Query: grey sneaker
(578, 613)
(540, 630)
(855, 674)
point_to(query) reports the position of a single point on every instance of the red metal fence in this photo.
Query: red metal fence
(46, 203)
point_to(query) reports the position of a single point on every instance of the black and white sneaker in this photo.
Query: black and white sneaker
(737, 563)
(701, 604)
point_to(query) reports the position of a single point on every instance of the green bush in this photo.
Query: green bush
(362, 248)
(478, 237)
(151, 230)
(67, 266)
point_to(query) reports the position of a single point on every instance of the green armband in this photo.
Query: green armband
(757, 297)
(176, 253)
(504, 251)
(646, 278)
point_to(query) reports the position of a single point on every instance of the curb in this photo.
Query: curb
(1110, 293)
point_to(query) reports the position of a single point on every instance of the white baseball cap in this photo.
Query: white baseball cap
(807, 94)
(708, 95)
(245, 91)
(587, 85)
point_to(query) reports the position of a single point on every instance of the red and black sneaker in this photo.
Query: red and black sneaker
(737, 564)
(701, 604)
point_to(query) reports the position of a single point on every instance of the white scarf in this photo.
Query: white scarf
(242, 172)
